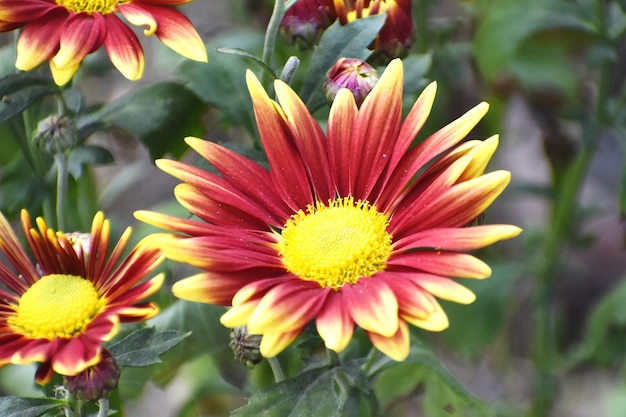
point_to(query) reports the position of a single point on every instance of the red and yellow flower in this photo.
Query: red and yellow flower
(396, 34)
(61, 307)
(64, 32)
(349, 227)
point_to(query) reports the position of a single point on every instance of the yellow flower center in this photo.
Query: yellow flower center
(90, 6)
(56, 306)
(336, 244)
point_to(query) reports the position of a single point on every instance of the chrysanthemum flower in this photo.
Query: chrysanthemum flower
(397, 32)
(66, 31)
(351, 227)
(59, 309)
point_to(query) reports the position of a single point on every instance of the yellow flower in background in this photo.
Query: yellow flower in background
(61, 307)
(64, 32)
(349, 227)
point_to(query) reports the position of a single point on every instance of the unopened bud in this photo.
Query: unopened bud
(354, 74)
(95, 382)
(245, 346)
(56, 134)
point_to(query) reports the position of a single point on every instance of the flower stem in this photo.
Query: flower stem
(280, 7)
(62, 179)
(103, 403)
(279, 375)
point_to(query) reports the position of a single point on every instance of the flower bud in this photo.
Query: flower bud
(245, 346)
(95, 382)
(307, 19)
(354, 74)
(81, 242)
(56, 134)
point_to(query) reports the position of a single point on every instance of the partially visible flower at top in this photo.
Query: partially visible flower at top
(396, 34)
(81, 242)
(354, 74)
(307, 19)
(66, 31)
(350, 227)
(61, 307)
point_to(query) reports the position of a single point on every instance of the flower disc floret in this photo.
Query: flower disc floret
(56, 306)
(336, 244)
(89, 6)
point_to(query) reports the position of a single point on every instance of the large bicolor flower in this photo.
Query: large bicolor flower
(348, 227)
(66, 31)
(61, 307)
(397, 32)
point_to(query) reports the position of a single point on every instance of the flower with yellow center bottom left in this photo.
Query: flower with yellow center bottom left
(61, 307)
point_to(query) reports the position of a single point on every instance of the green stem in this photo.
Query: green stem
(333, 358)
(280, 8)
(421, 26)
(103, 403)
(279, 375)
(62, 180)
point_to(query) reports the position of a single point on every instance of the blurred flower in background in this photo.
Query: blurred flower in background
(342, 230)
(396, 34)
(307, 19)
(64, 32)
(354, 74)
(59, 309)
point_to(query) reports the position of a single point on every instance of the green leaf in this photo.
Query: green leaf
(159, 115)
(87, 155)
(19, 91)
(605, 336)
(296, 397)
(145, 346)
(508, 24)
(253, 58)
(221, 82)
(348, 41)
(445, 395)
(28, 407)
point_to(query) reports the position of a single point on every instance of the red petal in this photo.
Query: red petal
(334, 323)
(373, 305)
(340, 129)
(396, 346)
(287, 168)
(81, 34)
(376, 130)
(309, 139)
(123, 48)
(450, 264)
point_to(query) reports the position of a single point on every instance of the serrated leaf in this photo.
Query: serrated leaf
(315, 392)
(349, 41)
(87, 155)
(11, 406)
(159, 115)
(306, 394)
(144, 347)
(19, 91)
